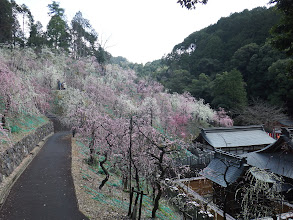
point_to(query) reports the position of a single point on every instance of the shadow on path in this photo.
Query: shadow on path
(45, 190)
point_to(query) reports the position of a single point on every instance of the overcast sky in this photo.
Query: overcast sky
(142, 30)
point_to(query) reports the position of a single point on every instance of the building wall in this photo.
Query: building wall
(203, 187)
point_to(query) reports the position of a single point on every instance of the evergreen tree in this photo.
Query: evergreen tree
(280, 84)
(84, 36)
(36, 38)
(282, 33)
(229, 91)
(57, 29)
(10, 31)
(6, 21)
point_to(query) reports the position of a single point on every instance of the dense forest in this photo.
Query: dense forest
(229, 64)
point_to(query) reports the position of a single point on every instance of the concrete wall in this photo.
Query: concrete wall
(14, 155)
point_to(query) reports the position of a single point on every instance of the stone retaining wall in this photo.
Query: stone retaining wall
(14, 155)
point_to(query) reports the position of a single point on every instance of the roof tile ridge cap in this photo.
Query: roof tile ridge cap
(230, 154)
(233, 128)
(217, 129)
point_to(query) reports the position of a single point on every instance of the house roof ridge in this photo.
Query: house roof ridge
(232, 129)
(239, 157)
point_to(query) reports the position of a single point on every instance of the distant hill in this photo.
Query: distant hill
(221, 40)
(239, 42)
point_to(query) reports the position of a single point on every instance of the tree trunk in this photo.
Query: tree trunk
(105, 171)
(225, 204)
(5, 114)
(3, 120)
(130, 161)
(158, 184)
(157, 199)
(124, 182)
(225, 191)
(92, 150)
(130, 201)
(154, 193)
(134, 212)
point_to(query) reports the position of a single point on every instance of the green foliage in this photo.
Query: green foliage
(237, 42)
(229, 90)
(282, 33)
(57, 28)
(37, 37)
(6, 21)
(280, 84)
(242, 56)
(15, 129)
(25, 123)
(222, 40)
(93, 162)
(10, 31)
(191, 4)
(178, 81)
(83, 35)
(57, 32)
(55, 9)
(201, 87)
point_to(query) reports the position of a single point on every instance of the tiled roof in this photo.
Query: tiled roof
(286, 122)
(278, 163)
(224, 169)
(275, 157)
(236, 136)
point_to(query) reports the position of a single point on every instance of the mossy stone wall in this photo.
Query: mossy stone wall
(13, 156)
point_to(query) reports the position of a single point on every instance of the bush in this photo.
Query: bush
(15, 129)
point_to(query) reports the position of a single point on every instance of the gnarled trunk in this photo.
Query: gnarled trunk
(105, 171)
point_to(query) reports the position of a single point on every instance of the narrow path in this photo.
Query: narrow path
(45, 190)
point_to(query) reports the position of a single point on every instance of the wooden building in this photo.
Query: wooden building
(236, 140)
(228, 173)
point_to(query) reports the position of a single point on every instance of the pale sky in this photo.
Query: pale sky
(142, 30)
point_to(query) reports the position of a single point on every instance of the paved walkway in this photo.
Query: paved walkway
(45, 190)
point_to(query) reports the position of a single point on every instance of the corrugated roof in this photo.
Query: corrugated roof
(236, 136)
(224, 169)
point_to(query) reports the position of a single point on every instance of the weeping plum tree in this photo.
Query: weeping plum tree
(261, 196)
